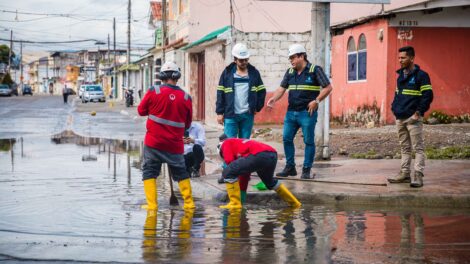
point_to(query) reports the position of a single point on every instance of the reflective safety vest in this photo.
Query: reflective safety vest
(412, 94)
(169, 111)
(303, 88)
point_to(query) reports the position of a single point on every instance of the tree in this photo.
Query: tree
(4, 53)
(7, 79)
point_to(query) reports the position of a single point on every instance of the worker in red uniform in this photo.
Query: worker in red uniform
(244, 156)
(169, 111)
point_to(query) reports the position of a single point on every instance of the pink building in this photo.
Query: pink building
(365, 52)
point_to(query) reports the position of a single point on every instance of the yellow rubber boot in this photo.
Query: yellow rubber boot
(150, 189)
(150, 236)
(233, 191)
(186, 223)
(187, 193)
(287, 196)
(232, 230)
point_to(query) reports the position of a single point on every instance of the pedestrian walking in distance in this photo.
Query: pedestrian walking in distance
(65, 93)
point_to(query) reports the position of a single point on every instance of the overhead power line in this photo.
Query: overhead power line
(50, 42)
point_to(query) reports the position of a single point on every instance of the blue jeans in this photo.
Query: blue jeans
(239, 126)
(292, 122)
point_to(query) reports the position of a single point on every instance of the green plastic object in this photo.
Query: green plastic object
(260, 186)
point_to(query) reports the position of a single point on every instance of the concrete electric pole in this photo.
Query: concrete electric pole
(114, 65)
(164, 18)
(128, 43)
(321, 57)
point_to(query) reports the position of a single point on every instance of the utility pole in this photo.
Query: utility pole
(128, 43)
(114, 66)
(232, 20)
(10, 52)
(109, 58)
(21, 64)
(321, 57)
(164, 18)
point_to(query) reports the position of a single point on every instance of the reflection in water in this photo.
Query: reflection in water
(130, 147)
(407, 248)
(106, 217)
(8, 145)
(149, 249)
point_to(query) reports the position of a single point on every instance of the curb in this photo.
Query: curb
(206, 190)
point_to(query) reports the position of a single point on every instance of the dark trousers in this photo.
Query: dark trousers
(153, 160)
(65, 95)
(194, 159)
(263, 163)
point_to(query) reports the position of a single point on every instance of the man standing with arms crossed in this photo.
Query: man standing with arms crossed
(240, 95)
(169, 111)
(303, 81)
(413, 97)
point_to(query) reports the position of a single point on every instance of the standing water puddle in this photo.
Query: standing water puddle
(58, 204)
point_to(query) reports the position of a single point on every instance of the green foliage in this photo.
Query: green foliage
(4, 53)
(441, 117)
(454, 152)
(7, 79)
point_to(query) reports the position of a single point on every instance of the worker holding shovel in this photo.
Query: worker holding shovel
(169, 111)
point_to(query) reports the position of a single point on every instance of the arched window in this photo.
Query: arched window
(352, 60)
(362, 58)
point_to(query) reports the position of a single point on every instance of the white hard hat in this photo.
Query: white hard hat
(170, 66)
(296, 49)
(240, 51)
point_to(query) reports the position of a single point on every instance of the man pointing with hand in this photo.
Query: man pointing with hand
(308, 86)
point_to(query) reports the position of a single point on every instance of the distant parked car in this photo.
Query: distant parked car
(5, 90)
(93, 93)
(81, 90)
(27, 90)
(14, 89)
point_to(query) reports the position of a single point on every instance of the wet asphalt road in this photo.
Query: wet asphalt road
(55, 207)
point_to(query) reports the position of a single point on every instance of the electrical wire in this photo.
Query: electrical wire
(49, 42)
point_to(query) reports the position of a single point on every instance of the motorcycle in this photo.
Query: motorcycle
(129, 95)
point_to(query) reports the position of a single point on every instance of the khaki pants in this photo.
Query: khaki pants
(410, 133)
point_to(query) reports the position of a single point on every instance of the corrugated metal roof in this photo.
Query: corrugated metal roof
(207, 37)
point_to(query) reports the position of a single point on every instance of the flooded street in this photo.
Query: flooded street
(66, 197)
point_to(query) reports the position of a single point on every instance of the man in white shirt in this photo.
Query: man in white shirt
(194, 141)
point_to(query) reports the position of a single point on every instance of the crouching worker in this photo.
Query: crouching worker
(244, 156)
(169, 111)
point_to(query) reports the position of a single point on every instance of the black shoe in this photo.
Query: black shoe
(287, 171)
(195, 173)
(305, 173)
(221, 180)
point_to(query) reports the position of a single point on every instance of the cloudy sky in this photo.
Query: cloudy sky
(59, 20)
(65, 20)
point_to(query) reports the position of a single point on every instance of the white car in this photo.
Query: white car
(93, 93)
(81, 90)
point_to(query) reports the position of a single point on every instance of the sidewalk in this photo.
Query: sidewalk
(446, 184)
(339, 181)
